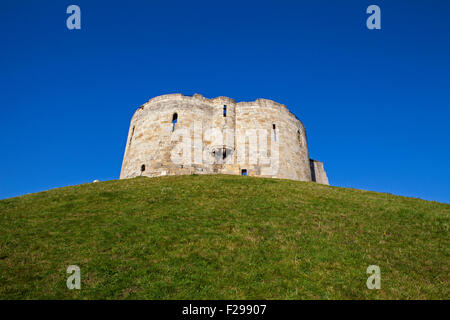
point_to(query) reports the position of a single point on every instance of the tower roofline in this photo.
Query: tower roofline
(221, 99)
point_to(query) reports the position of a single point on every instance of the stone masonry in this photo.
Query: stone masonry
(175, 134)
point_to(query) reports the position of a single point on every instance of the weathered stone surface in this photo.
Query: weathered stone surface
(262, 137)
(318, 173)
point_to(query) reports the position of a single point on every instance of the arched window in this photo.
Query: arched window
(225, 110)
(174, 120)
(143, 168)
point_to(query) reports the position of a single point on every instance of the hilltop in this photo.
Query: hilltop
(222, 237)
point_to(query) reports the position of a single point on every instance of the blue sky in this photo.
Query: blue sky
(375, 103)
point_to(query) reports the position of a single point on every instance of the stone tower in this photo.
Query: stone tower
(175, 134)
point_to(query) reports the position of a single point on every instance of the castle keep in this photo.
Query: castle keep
(175, 134)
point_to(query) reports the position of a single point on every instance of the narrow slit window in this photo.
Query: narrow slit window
(143, 168)
(174, 120)
(224, 153)
(131, 138)
(225, 110)
(274, 132)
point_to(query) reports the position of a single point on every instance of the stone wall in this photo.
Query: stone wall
(261, 137)
(318, 173)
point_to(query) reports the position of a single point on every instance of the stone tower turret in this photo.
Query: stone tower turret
(175, 134)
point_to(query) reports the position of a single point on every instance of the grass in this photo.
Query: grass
(222, 237)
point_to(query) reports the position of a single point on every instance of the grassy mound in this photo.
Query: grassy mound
(222, 237)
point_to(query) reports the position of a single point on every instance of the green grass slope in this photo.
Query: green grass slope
(222, 237)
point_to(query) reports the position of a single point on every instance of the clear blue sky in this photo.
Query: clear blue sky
(376, 104)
